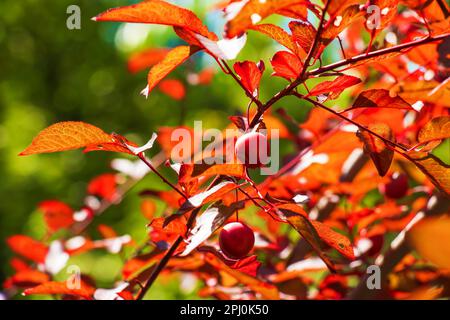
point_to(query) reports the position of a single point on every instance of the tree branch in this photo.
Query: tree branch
(162, 264)
(377, 53)
(288, 89)
(318, 104)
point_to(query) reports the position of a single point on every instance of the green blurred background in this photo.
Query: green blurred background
(49, 74)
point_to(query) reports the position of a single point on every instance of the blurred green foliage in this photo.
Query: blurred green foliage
(50, 74)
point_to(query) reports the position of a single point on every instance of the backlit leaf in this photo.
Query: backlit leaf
(433, 168)
(436, 129)
(335, 87)
(278, 34)
(28, 248)
(156, 12)
(173, 88)
(72, 135)
(57, 214)
(173, 59)
(303, 33)
(379, 152)
(253, 12)
(145, 59)
(334, 239)
(430, 238)
(380, 98)
(286, 65)
(250, 75)
(53, 287)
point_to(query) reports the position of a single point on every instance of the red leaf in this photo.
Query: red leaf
(156, 12)
(170, 232)
(18, 264)
(278, 34)
(72, 135)
(28, 278)
(254, 11)
(334, 87)
(173, 88)
(104, 186)
(53, 287)
(334, 239)
(250, 74)
(57, 214)
(172, 60)
(248, 265)
(303, 33)
(106, 231)
(286, 65)
(380, 154)
(28, 248)
(191, 171)
(380, 98)
(145, 59)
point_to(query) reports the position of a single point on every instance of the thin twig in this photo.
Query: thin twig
(377, 53)
(318, 104)
(144, 159)
(162, 264)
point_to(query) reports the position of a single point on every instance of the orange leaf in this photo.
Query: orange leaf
(379, 152)
(72, 135)
(380, 98)
(54, 287)
(298, 219)
(173, 88)
(28, 248)
(334, 87)
(437, 171)
(436, 129)
(173, 229)
(145, 59)
(267, 290)
(57, 214)
(430, 238)
(303, 33)
(340, 22)
(278, 34)
(27, 278)
(286, 65)
(106, 231)
(254, 11)
(148, 208)
(250, 74)
(334, 239)
(191, 171)
(156, 12)
(172, 60)
(104, 186)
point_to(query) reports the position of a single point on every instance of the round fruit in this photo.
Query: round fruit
(397, 187)
(236, 240)
(377, 244)
(252, 149)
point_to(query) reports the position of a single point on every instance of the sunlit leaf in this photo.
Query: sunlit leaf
(72, 135)
(430, 238)
(156, 12)
(286, 65)
(379, 152)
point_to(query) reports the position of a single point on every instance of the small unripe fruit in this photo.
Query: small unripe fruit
(236, 240)
(252, 149)
(397, 187)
